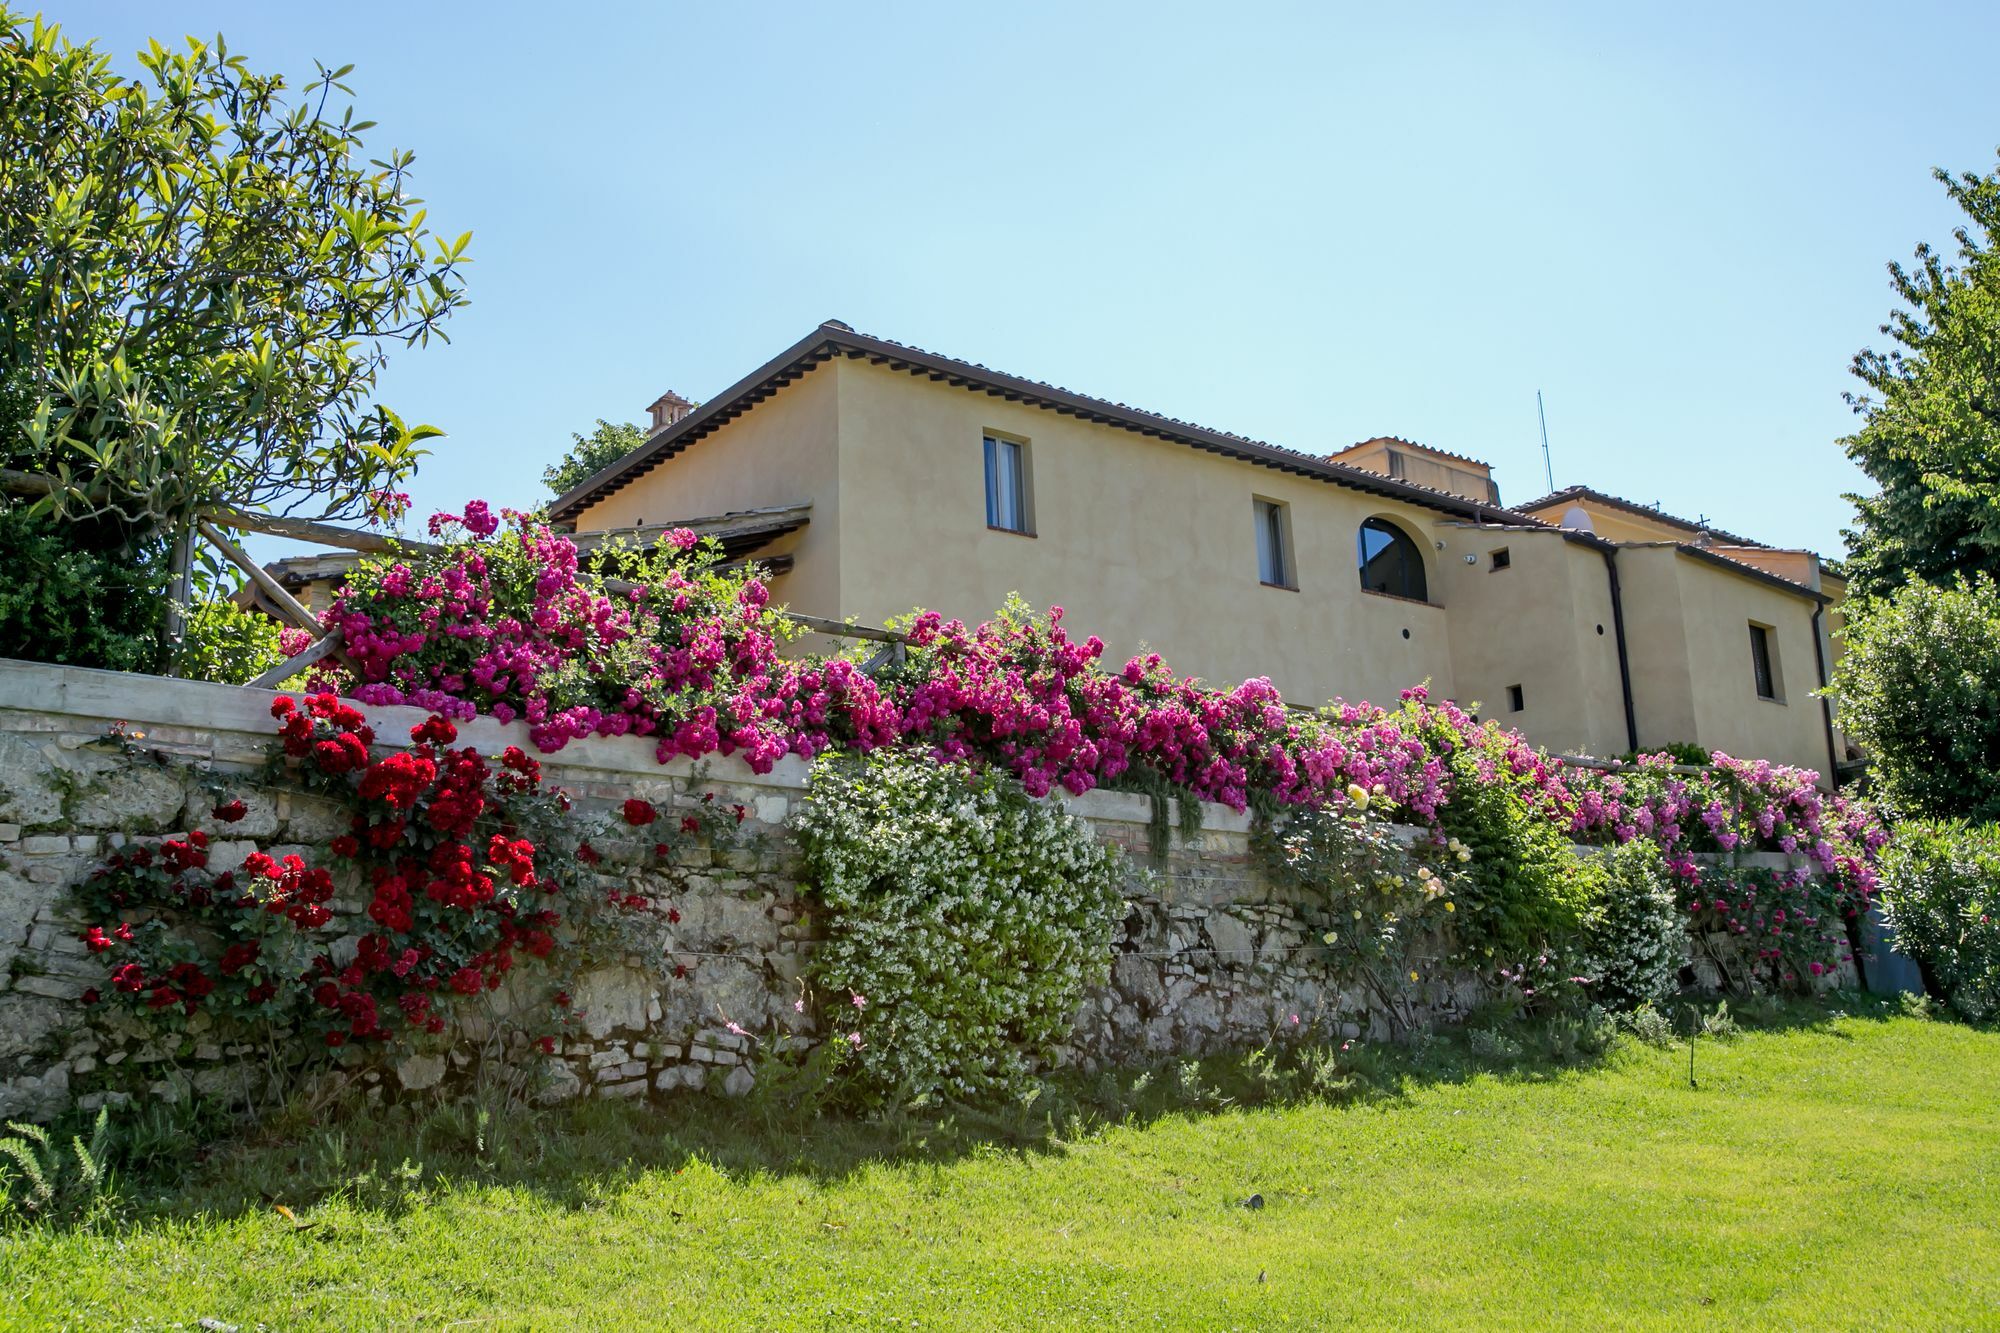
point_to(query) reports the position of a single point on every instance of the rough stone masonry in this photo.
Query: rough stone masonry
(1213, 953)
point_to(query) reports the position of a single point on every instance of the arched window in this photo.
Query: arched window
(1391, 562)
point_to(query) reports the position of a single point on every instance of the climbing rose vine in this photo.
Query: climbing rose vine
(461, 861)
(509, 620)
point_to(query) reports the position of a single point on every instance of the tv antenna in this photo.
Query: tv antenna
(1547, 466)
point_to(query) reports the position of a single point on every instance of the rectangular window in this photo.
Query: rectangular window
(1501, 559)
(1763, 662)
(1516, 701)
(1007, 485)
(1274, 545)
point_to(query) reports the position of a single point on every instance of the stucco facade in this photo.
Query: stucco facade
(1152, 545)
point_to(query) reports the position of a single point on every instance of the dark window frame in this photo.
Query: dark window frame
(1276, 567)
(1764, 664)
(1405, 576)
(1007, 458)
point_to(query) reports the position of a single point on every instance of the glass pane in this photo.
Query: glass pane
(992, 484)
(1010, 487)
(1390, 561)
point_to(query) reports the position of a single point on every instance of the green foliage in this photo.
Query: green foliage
(592, 453)
(1674, 1208)
(224, 642)
(1382, 912)
(1919, 689)
(1525, 890)
(1681, 752)
(79, 594)
(962, 922)
(1930, 436)
(1633, 937)
(45, 1180)
(202, 273)
(1941, 895)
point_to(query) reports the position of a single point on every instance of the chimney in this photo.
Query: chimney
(668, 408)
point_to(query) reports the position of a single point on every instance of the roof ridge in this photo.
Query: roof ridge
(1649, 511)
(833, 339)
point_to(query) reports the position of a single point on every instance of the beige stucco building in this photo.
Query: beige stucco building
(884, 478)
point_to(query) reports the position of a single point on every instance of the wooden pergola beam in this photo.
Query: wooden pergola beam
(271, 588)
(293, 665)
(320, 534)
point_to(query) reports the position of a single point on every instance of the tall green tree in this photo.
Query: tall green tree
(1930, 435)
(1919, 688)
(592, 453)
(202, 273)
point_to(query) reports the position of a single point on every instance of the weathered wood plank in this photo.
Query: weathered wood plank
(322, 534)
(273, 589)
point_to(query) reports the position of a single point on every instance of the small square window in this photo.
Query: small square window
(1516, 701)
(1007, 506)
(1501, 559)
(1274, 544)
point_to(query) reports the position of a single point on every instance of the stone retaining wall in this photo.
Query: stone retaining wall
(1212, 953)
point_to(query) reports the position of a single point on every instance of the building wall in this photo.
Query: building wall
(1147, 544)
(1729, 715)
(1689, 626)
(1150, 545)
(785, 451)
(1414, 463)
(1544, 623)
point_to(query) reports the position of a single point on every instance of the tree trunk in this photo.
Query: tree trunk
(180, 591)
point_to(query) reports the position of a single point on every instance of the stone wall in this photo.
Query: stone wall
(1211, 955)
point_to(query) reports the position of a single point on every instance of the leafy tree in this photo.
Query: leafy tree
(1919, 688)
(201, 278)
(593, 453)
(80, 593)
(1930, 437)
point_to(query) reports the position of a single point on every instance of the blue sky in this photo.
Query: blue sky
(1306, 224)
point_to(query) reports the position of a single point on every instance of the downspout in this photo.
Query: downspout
(1825, 704)
(1610, 554)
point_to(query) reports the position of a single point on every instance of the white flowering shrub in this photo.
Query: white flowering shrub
(1634, 939)
(962, 922)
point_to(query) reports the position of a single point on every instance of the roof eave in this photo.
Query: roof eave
(831, 340)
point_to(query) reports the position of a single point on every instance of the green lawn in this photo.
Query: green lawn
(1834, 1175)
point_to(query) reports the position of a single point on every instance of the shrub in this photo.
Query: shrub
(1525, 887)
(1383, 911)
(225, 643)
(45, 1180)
(1633, 938)
(1679, 752)
(1765, 930)
(465, 868)
(509, 622)
(79, 594)
(1919, 690)
(962, 921)
(1941, 895)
